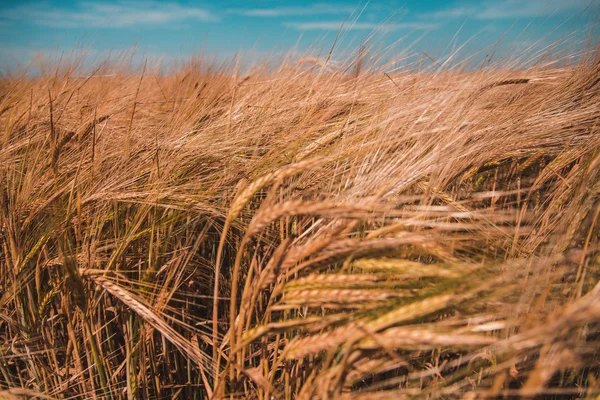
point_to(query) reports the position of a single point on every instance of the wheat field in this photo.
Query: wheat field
(301, 231)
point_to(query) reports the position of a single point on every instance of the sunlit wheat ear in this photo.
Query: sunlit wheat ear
(239, 202)
(317, 343)
(412, 268)
(279, 175)
(403, 337)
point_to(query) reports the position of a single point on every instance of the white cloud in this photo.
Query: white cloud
(530, 8)
(456, 12)
(314, 9)
(110, 15)
(336, 25)
(512, 9)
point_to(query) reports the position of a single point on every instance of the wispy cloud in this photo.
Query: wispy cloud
(531, 8)
(455, 12)
(336, 25)
(110, 15)
(506, 9)
(313, 9)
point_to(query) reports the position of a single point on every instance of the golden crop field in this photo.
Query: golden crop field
(300, 231)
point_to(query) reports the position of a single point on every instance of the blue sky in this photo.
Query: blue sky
(177, 29)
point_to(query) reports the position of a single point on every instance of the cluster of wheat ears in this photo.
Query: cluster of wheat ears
(300, 231)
